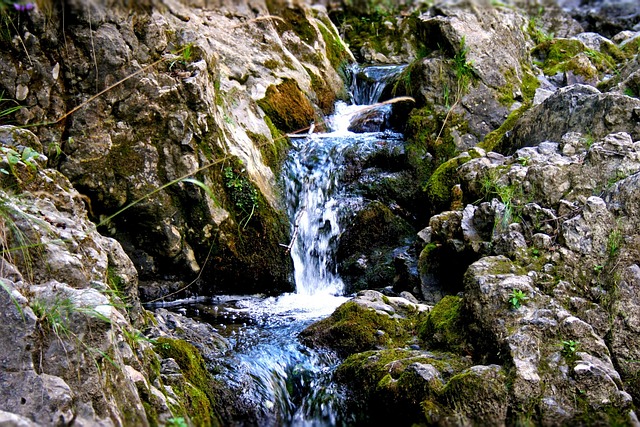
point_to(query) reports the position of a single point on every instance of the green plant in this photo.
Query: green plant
(176, 422)
(569, 348)
(509, 196)
(462, 67)
(7, 111)
(26, 157)
(614, 242)
(134, 336)
(242, 192)
(517, 298)
(53, 316)
(184, 54)
(629, 92)
(538, 34)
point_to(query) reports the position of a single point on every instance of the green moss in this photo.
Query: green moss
(477, 395)
(493, 140)
(443, 327)
(370, 368)
(383, 385)
(560, 55)
(287, 106)
(326, 98)
(274, 151)
(272, 64)
(439, 185)
(336, 51)
(198, 394)
(353, 328)
(151, 414)
(631, 48)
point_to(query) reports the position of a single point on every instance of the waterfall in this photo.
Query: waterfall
(368, 83)
(285, 382)
(317, 206)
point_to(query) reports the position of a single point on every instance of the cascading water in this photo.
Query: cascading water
(290, 383)
(369, 82)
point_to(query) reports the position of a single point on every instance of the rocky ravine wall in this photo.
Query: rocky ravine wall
(205, 76)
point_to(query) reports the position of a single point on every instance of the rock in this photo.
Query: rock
(365, 252)
(401, 385)
(371, 120)
(527, 334)
(354, 326)
(194, 101)
(574, 109)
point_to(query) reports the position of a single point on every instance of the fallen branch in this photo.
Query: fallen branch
(296, 226)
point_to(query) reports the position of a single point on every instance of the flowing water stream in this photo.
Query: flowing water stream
(291, 384)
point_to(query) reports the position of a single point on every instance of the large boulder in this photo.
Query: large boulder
(374, 251)
(576, 108)
(72, 347)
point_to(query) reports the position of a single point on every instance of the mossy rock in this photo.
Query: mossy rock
(388, 385)
(441, 182)
(444, 327)
(198, 396)
(287, 106)
(353, 328)
(559, 55)
(479, 395)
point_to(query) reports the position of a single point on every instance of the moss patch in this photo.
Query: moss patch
(439, 185)
(287, 107)
(560, 55)
(443, 327)
(493, 140)
(337, 52)
(197, 394)
(353, 329)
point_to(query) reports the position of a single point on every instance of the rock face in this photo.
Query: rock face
(206, 95)
(576, 108)
(71, 350)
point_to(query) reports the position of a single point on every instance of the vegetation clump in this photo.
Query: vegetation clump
(287, 106)
(197, 392)
(444, 327)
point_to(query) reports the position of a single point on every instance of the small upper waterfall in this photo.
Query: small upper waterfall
(368, 83)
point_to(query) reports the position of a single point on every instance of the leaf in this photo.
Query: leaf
(202, 185)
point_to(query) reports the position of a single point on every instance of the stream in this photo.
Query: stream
(291, 384)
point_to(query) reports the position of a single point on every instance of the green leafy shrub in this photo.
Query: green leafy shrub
(517, 298)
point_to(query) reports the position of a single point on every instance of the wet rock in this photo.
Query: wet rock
(366, 249)
(369, 321)
(371, 120)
